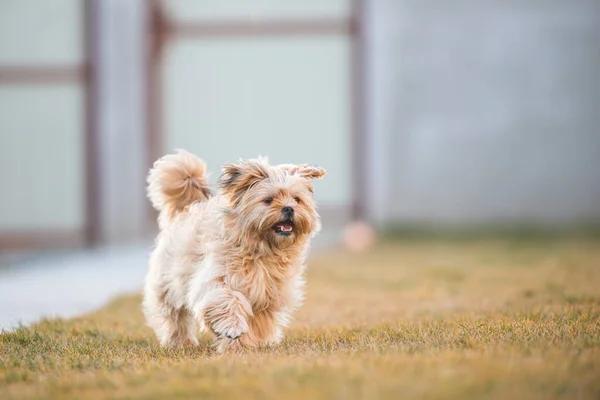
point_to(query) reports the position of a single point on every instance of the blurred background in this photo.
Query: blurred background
(429, 115)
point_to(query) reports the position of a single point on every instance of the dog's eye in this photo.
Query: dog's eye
(297, 199)
(269, 200)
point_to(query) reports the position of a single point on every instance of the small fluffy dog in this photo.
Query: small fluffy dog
(230, 263)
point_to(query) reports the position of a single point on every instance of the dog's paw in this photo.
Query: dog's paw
(232, 328)
(234, 333)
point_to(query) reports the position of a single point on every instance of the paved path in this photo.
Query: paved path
(67, 285)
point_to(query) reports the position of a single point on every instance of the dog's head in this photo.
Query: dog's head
(272, 203)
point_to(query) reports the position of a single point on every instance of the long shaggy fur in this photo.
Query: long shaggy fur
(224, 263)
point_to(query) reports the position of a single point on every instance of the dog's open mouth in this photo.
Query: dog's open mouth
(284, 228)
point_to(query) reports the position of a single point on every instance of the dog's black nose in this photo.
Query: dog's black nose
(287, 210)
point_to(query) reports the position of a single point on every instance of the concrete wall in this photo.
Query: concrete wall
(484, 111)
(478, 111)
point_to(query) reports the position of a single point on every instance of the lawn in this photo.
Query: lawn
(500, 319)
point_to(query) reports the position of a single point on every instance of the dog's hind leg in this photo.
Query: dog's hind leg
(173, 326)
(180, 329)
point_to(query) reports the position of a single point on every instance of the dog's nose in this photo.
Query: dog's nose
(287, 210)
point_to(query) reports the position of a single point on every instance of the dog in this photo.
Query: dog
(230, 263)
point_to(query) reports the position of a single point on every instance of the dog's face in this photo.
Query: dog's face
(272, 203)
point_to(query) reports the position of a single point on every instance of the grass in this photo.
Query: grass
(415, 319)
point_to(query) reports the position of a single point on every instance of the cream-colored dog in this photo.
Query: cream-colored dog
(232, 263)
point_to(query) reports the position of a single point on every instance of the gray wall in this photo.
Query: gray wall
(484, 111)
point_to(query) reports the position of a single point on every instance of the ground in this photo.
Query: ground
(410, 319)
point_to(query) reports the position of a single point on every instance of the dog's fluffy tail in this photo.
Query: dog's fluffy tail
(175, 182)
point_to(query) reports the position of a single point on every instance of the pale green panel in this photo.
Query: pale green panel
(240, 9)
(287, 99)
(41, 158)
(41, 31)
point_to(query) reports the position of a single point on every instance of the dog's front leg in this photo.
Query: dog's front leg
(224, 311)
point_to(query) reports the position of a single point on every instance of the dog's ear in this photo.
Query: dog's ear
(311, 172)
(237, 178)
(305, 170)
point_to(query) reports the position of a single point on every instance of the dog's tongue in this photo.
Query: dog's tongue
(285, 227)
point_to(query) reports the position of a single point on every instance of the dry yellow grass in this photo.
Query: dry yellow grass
(430, 319)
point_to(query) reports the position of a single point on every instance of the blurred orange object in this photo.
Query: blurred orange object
(359, 236)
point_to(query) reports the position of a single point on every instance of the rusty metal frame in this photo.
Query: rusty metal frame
(28, 74)
(264, 27)
(83, 73)
(92, 145)
(359, 145)
(161, 29)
